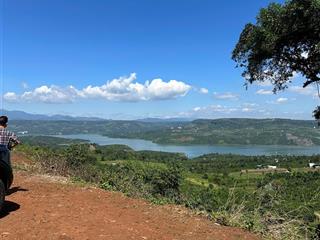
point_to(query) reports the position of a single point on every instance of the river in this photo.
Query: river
(197, 150)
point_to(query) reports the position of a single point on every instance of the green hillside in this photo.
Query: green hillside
(244, 131)
(219, 131)
(232, 190)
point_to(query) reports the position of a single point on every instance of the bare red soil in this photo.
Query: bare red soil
(42, 207)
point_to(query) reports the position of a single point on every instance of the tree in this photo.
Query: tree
(77, 155)
(285, 40)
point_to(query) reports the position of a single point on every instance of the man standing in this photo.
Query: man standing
(7, 140)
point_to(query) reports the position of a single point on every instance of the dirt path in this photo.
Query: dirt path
(40, 207)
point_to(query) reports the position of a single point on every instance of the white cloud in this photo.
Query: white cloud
(225, 96)
(266, 83)
(282, 100)
(203, 90)
(223, 111)
(124, 89)
(10, 97)
(247, 104)
(247, 109)
(264, 92)
(308, 91)
(120, 89)
(52, 94)
(214, 108)
(159, 89)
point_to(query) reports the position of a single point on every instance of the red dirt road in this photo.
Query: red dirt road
(40, 207)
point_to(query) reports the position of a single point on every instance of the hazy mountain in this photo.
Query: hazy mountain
(226, 131)
(165, 120)
(21, 115)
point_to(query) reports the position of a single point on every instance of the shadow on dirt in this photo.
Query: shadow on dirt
(8, 208)
(16, 189)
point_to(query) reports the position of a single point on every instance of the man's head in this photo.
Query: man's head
(3, 121)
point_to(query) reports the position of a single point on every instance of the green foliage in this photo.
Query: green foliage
(227, 163)
(203, 198)
(277, 205)
(276, 46)
(316, 113)
(49, 141)
(115, 152)
(152, 180)
(111, 128)
(123, 152)
(143, 179)
(297, 194)
(77, 155)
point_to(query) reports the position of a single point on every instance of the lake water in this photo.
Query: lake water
(197, 150)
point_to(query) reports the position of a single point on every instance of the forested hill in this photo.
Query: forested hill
(201, 131)
(256, 123)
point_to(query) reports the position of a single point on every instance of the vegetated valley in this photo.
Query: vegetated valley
(202, 131)
(275, 196)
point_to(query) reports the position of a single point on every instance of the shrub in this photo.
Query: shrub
(77, 154)
(143, 179)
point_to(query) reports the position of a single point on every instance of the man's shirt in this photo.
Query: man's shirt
(7, 136)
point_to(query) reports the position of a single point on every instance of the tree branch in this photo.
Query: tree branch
(307, 83)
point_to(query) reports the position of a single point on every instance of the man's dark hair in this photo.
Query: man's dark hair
(3, 120)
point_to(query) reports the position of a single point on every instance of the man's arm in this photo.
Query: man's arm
(13, 141)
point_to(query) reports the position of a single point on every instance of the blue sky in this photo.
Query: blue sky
(126, 59)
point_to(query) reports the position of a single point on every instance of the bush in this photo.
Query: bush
(77, 155)
(143, 179)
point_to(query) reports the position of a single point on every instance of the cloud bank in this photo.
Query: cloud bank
(282, 100)
(264, 92)
(222, 111)
(308, 91)
(225, 96)
(125, 89)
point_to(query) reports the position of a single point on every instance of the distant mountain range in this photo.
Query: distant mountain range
(228, 131)
(21, 115)
(165, 120)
